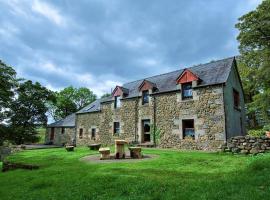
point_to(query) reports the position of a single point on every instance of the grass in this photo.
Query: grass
(173, 175)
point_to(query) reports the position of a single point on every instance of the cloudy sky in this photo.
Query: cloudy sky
(102, 43)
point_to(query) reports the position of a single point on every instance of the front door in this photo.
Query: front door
(146, 130)
(52, 134)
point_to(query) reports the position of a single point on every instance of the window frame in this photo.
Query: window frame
(81, 133)
(95, 132)
(117, 102)
(144, 93)
(183, 85)
(116, 130)
(184, 128)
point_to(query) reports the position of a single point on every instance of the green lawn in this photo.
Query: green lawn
(173, 175)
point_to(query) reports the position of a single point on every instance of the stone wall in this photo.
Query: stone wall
(247, 145)
(59, 138)
(87, 122)
(207, 110)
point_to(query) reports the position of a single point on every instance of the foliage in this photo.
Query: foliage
(7, 83)
(266, 127)
(171, 175)
(155, 134)
(105, 95)
(254, 38)
(28, 110)
(70, 100)
(256, 132)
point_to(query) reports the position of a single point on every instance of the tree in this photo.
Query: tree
(254, 38)
(28, 111)
(7, 83)
(105, 95)
(70, 100)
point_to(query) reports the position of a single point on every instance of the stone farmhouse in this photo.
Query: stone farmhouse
(199, 107)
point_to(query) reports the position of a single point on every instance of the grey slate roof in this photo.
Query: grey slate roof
(216, 72)
(92, 107)
(69, 121)
(212, 73)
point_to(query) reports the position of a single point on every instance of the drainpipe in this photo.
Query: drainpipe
(136, 121)
(75, 131)
(154, 102)
(225, 116)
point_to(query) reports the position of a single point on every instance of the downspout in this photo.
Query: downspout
(136, 120)
(154, 98)
(75, 131)
(225, 116)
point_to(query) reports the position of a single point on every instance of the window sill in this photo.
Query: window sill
(187, 100)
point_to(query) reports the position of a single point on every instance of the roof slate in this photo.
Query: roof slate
(69, 121)
(216, 72)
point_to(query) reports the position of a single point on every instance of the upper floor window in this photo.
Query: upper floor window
(117, 102)
(236, 99)
(145, 97)
(187, 90)
(116, 128)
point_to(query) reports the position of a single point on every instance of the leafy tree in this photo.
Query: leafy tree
(7, 83)
(70, 100)
(105, 95)
(28, 111)
(254, 38)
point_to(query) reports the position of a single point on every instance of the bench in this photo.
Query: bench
(94, 146)
(135, 152)
(104, 153)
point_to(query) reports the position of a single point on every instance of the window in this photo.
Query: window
(93, 134)
(117, 102)
(145, 97)
(236, 99)
(116, 128)
(187, 91)
(188, 128)
(146, 130)
(81, 133)
(63, 130)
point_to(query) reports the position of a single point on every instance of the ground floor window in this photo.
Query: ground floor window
(81, 133)
(146, 130)
(93, 134)
(188, 128)
(116, 128)
(63, 130)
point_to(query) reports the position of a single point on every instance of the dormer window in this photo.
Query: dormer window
(187, 91)
(117, 102)
(145, 97)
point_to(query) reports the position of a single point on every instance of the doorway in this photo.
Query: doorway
(146, 130)
(52, 134)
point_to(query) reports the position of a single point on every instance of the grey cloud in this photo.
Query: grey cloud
(120, 40)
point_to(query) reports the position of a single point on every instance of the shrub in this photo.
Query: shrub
(256, 132)
(266, 127)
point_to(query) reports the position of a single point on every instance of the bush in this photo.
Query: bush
(256, 132)
(266, 127)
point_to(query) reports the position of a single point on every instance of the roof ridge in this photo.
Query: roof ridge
(213, 61)
(179, 70)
